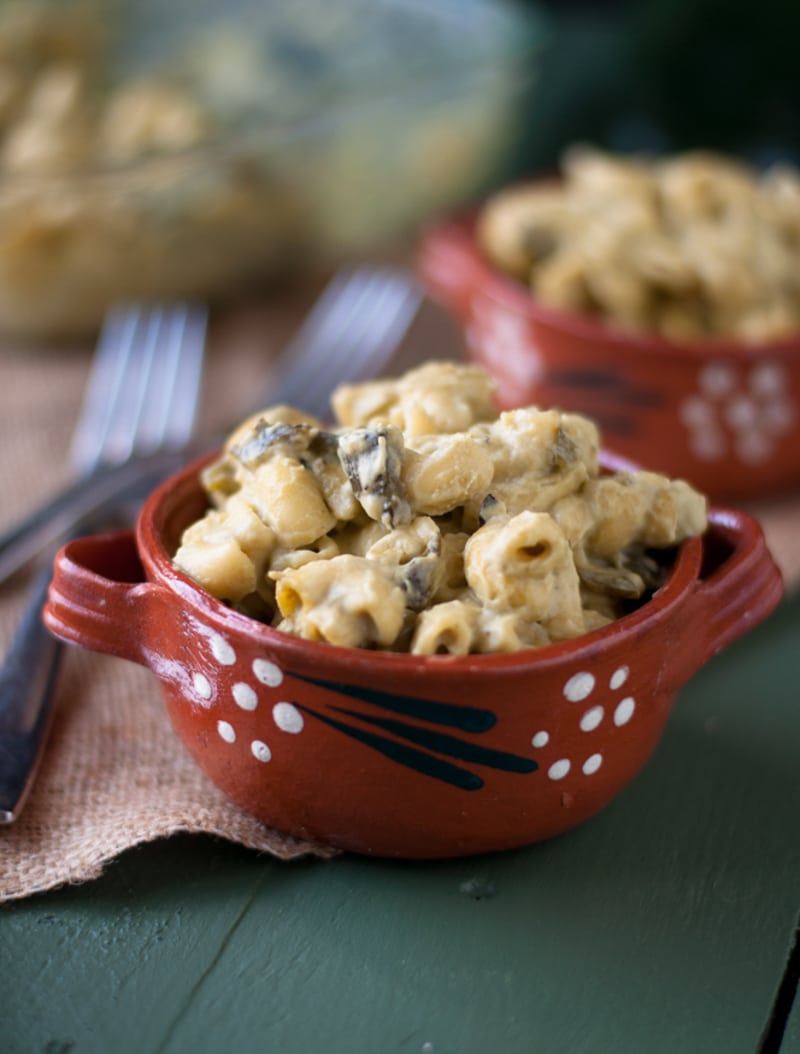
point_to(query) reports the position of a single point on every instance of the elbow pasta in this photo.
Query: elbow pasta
(472, 531)
(687, 246)
(345, 600)
(524, 564)
(448, 628)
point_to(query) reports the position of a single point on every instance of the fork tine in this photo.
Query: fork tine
(331, 309)
(116, 390)
(131, 398)
(167, 417)
(361, 318)
(144, 359)
(377, 342)
(103, 389)
(189, 343)
(383, 311)
(336, 310)
(354, 329)
(143, 388)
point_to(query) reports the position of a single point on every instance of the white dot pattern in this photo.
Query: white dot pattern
(287, 717)
(619, 677)
(245, 696)
(559, 769)
(260, 750)
(624, 711)
(741, 413)
(741, 410)
(707, 445)
(592, 764)
(222, 651)
(592, 718)
(769, 378)
(753, 447)
(267, 672)
(579, 686)
(779, 416)
(202, 685)
(226, 731)
(717, 380)
(695, 412)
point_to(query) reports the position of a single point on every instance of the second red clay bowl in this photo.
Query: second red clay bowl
(722, 414)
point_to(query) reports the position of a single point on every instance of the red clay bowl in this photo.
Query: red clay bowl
(401, 755)
(723, 415)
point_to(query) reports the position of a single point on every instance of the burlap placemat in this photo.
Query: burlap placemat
(114, 774)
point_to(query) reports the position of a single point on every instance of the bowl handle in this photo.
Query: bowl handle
(448, 267)
(738, 587)
(99, 598)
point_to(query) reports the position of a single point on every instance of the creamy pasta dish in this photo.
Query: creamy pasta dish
(687, 246)
(426, 521)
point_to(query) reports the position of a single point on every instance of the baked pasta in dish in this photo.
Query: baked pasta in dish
(426, 521)
(686, 246)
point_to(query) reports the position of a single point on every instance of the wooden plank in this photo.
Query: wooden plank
(661, 926)
(103, 966)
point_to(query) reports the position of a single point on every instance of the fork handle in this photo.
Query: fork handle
(94, 606)
(27, 699)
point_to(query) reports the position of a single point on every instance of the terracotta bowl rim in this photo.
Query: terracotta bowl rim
(514, 293)
(684, 574)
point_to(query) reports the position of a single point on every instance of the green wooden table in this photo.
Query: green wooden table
(663, 925)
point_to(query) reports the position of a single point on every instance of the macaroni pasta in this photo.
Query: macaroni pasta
(426, 521)
(687, 246)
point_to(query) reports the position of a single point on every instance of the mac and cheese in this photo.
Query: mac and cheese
(426, 521)
(687, 246)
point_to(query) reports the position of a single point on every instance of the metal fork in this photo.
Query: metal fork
(351, 333)
(143, 388)
(141, 396)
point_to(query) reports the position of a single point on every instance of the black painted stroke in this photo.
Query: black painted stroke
(403, 755)
(606, 383)
(441, 743)
(465, 718)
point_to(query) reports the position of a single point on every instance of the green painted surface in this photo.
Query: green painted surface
(661, 926)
